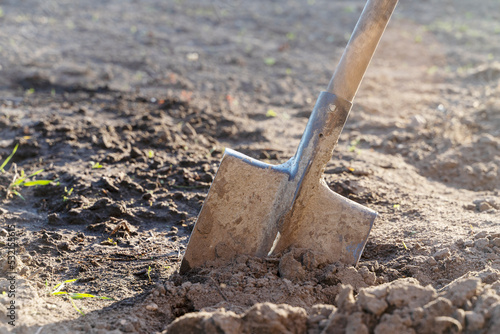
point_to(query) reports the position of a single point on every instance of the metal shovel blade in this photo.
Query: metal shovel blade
(249, 202)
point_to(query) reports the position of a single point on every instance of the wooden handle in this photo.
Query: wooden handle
(361, 47)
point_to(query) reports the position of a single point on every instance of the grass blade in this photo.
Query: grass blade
(17, 182)
(86, 295)
(59, 293)
(76, 308)
(18, 194)
(37, 183)
(35, 173)
(8, 158)
(59, 286)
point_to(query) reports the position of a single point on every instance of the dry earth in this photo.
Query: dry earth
(128, 105)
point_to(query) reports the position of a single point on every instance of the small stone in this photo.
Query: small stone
(442, 254)
(495, 242)
(125, 325)
(51, 306)
(417, 121)
(64, 246)
(152, 307)
(481, 235)
(188, 129)
(481, 243)
(147, 196)
(161, 289)
(431, 261)
(484, 206)
(468, 243)
(290, 268)
(135, 153)
(474, 321)
(24, 271)
(471, 207)
(26, 258)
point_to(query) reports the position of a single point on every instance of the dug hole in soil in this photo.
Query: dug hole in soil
(127, 107)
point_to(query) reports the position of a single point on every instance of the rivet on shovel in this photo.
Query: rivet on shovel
(259, 209)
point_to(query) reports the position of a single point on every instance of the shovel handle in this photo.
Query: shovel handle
(361, 47)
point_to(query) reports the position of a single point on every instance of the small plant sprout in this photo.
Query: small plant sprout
(21, 179)
(149, 272)
(151, 154)
(56, 291)
(109, 242)
(404, 245)
(67, 193)
(271, 113)
(95, 165)
(269, 61)
(353, 146)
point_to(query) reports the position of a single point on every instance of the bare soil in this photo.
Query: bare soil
(127, 107)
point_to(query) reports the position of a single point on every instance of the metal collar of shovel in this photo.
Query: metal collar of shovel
(258, 209)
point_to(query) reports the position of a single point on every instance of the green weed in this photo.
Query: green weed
(67, 193)
(21, 179)
(269, 61)
(56, 291)
(271, 113)
(354, 146)
(95, 165)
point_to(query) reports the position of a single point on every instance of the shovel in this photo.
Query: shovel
(258, 209)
